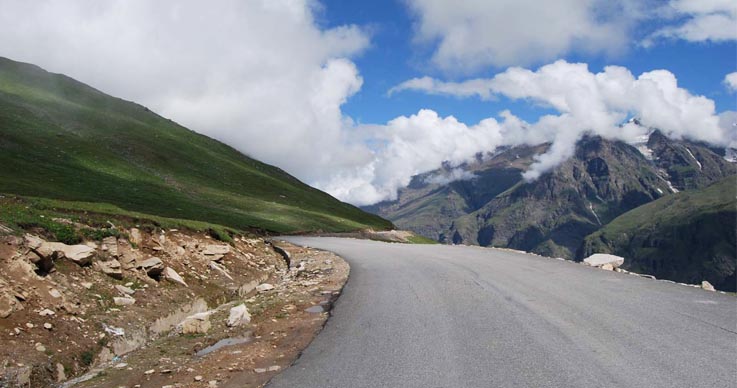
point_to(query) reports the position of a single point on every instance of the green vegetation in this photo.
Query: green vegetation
(686, 237)
(421, 240)
(63, 140)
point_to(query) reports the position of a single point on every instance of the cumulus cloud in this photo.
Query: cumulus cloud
(698, 21)
(259, 75)
(590, 103)
(470, 35)
(731, 81)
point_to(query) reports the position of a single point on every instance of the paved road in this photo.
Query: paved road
(441, 316)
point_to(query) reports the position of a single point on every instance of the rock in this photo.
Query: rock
(46, 313)
(60, 374)
(8, 305)
(239, 316)
(86, 285)
(599, 259)
(274, 368)
(123, 301)
(260, 370)
(110, 245)
(213, 249)
(171, 275)
(607, 267)
(48, 326)
(135, 237)
(32, 241)
(110, 268)
(219, 268)
(707, 286)
(40, 347)
(55, 293)
(198, 378)
(153, 266)
(149, 372)
(80, 254)
(124, 290)
(196, 324)
(264, 287)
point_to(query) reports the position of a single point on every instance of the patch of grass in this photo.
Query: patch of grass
(87, 357)
(62, 140)
(421, 240)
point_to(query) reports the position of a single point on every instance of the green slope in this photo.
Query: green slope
(686, 237)
(64, 140)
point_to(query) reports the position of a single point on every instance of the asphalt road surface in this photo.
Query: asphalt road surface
(451, 316)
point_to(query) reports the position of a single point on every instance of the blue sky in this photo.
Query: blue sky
(393, 58)
(303, 84)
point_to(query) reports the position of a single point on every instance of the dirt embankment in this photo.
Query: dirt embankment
(158, 308)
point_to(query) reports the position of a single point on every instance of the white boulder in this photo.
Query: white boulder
(239, 316)
(171, 275)
(600, 259)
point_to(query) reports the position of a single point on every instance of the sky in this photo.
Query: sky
(357, 97)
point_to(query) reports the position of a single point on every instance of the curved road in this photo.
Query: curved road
(451, 316)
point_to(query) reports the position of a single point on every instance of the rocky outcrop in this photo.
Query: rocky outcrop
(153, 267)
(110, 268)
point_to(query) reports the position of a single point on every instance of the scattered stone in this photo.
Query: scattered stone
(120, 365)
(110, 245)
(274, 368)
(149, 372)
(239, 316)
(86, 285)
(124, 290)
(46, 312)
(55, 293)
(48, 326)
(8, 305)
(264, 287)
(707, 286)
(110, 268)
(134, 236)
(219, 268)
(213, 249)
(29, 325)
(40, 347)
(153, 266)
(171, 275)
(196, 324)
(607, 267)
(260, 370)
(123, 301)
(60, 374)
(599, 259)
(198, 378)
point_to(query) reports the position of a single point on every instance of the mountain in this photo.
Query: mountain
(687, 237)
(494, 206)
(62, 139)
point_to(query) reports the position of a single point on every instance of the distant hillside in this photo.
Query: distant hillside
(686, 237)
(62, 139)
(494, 206)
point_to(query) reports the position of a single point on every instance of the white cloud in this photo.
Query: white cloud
(587, 102)
(699, 21)
(731, 81)
(259, 75)
(470, 35)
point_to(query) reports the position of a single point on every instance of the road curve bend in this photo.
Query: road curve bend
(455, 316)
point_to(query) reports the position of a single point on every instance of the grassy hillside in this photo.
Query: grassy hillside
(64, 140)
(686, 237)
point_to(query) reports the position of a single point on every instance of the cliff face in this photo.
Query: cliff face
(687, 237)
(553, 214)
